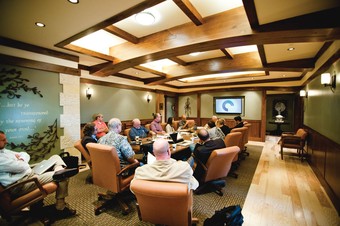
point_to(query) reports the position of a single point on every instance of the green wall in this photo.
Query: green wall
(31, 121)
(322, 107)
(115, 103)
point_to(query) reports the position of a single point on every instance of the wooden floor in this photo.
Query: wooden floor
(286, 192)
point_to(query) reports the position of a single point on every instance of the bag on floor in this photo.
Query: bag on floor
(70, 161)
(228, 216)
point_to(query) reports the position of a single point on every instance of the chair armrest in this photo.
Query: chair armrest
(198, 161)
(34, 179)
(287, 133)
(128, 167)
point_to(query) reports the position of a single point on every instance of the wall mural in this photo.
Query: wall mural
(26, 116)
(11, 82)
(187, 108)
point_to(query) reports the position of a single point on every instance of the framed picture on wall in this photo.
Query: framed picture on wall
(280, 107)
(161, 106)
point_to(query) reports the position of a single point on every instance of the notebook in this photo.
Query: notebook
(43, 166)
(176, 137)
(151, 158)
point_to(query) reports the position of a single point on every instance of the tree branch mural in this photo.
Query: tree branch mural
(11, 82)
(40, 145)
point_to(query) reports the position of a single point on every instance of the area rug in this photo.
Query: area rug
(83, 198)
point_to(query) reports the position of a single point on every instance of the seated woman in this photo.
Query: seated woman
(169, 128)
(220, 124)
(90, 132)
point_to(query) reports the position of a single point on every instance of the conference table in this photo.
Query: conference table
(181, 152)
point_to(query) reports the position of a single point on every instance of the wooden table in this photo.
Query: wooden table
(278, 130)
(181, 152)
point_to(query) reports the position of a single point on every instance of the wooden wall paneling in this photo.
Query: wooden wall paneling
(325, 159)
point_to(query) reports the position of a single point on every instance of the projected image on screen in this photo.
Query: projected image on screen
(228, 105)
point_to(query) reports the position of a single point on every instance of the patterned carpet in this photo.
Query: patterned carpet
(83, 197)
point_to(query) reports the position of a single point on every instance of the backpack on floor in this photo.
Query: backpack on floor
(228, 216)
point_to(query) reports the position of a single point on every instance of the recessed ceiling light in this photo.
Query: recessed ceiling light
(194, 54)
(145, 18)
(39, 24)
(290, 49)
(73, 1)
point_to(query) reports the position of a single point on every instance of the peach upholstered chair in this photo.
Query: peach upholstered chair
(216, 168)
(107, 173)
(164, 203)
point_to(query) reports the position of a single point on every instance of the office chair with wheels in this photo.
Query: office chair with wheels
(165, 203)
(233, 139)
(216, 168)
(107, 173)
(10, 205)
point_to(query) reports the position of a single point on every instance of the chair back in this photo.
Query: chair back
(105, 168)
(301, 133)
(82, 150)
(191, 123)
(248, 125)
(159, 202)
(127, 134)
(163, 124)
(233, 139)
(175, 124)
(10, 205)
(147, 126)
(243, 139)
(219, 163)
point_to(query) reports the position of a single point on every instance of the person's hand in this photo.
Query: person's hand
(19, 157)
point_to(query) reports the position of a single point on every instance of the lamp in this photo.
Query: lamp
(148, 98)
(145, 18)
(303, 93)
(329, 80)
(89, 92)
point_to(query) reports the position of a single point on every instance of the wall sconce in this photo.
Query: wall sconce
(148, 98)
(329, 80)
(89, 92)
(303, 93)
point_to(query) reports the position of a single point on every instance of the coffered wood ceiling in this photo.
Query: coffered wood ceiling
(212, 27)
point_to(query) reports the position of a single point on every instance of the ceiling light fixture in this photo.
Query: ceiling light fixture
(39, 24)
(290, 49)
(73, 1)
(195, 53)
(145, 18)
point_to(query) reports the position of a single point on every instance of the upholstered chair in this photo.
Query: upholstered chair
(108, 174)
(294, 141)
(216, 169)
(163, 203)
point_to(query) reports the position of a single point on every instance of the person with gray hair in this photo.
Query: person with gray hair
(165, 168)
(138, 130)
(115, 139)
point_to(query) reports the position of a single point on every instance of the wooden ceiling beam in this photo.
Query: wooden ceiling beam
(179, 61)
(227, 53)
(189, 10)
(112, 20)
(122, 34)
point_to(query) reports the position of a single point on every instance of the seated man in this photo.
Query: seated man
(123, 148)
(138, 130)
(238, 121)
(183, 124)
(14, 168)
(155, 125)
(165, 168)
(214, 131)
(203, 150)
